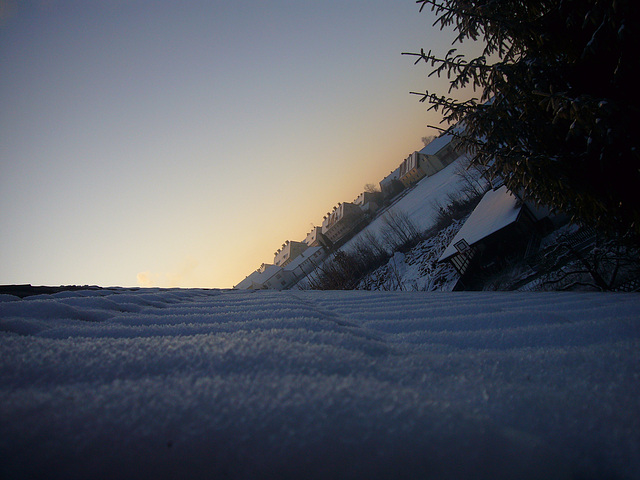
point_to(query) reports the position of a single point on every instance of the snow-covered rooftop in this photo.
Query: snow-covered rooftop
(234, 384)
(437, 144)
(497, 209)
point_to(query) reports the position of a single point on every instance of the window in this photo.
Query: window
(462, 246)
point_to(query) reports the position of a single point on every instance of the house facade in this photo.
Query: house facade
(410, 171)
(390, 185)
(369, 202)
(440, 153)
(341, 221)
(288, 252)
(315, 238)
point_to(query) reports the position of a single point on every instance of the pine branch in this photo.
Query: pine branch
(459, 71)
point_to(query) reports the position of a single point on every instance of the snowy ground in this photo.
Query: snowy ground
(420, 202)
(418, 269)
(236, 384)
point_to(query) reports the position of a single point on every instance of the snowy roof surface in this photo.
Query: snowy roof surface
(497, 209)
(235, 384)
(437, 144)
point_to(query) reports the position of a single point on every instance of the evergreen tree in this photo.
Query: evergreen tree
(558, 106)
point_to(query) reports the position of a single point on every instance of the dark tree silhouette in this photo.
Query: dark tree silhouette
(558, 106)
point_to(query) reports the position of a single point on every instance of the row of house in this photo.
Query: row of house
(435, 156)
(345, 218)
(277, 277)
(294, 258)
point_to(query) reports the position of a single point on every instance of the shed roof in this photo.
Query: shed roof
(497, 209)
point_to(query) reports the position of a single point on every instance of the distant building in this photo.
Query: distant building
(390, 185)
(410, 171)
(369, 202)
(438, 154)
(341, 221)
(288, 252)
(315, 238)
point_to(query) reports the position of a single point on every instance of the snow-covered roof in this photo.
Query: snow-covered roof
(437, 144)
(497, 209)
(201, 384)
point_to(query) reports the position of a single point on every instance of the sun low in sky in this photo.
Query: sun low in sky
(181, 143)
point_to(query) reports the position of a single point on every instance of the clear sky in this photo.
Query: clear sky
(181, 143)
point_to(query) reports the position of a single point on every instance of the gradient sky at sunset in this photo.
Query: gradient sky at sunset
(181, 143)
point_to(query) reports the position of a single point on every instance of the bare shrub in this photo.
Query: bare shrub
(368, 249)
(399, 231)
(342, 271)
(345, 270)
(473, 178)
(604, 263)
(457, 207)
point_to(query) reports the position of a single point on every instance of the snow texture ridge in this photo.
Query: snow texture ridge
(245, 384)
